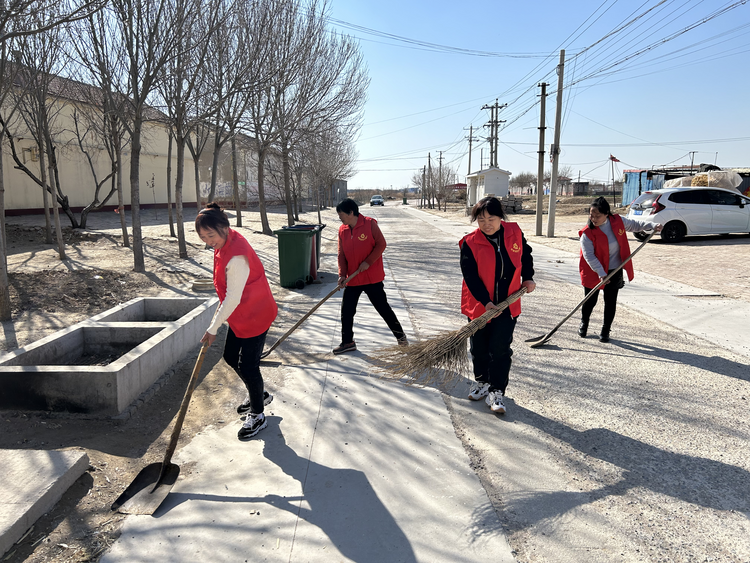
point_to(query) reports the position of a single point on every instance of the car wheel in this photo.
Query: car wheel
(640, 235)
(674, 231)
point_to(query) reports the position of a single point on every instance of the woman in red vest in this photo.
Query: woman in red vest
(247, 305)
(361, 246)
(495, 261)
(604, 246)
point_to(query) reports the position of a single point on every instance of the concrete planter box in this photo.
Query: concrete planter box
(134, 343)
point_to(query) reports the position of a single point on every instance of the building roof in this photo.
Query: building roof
(487, 171)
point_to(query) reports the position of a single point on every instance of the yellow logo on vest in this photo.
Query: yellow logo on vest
(621, 232)
(515, 247)
(363, 236)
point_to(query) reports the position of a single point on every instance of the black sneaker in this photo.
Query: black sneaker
(252, 425)
(403, 341)
(583, 329)
(343, 348)
(604, 335)
(245, 406)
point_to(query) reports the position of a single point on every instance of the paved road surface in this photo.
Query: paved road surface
(634, 450)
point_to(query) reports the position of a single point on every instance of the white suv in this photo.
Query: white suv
(692, 211)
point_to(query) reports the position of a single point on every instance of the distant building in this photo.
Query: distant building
(492, 181)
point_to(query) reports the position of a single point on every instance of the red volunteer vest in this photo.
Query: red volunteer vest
(357, 244)
(257, 308)
(485, 255)
(589, 278)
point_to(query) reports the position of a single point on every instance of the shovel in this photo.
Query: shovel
(152, 485)
(303, 319)
(541, 340)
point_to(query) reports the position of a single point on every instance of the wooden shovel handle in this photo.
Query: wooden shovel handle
(183, 409)
(305, 317)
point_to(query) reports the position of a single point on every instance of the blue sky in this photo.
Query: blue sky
(644, 88)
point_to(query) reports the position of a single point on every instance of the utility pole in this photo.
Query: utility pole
(430, 204)
(471, 140)
(556, 148)
(692, 156)
(493, 124)
(540, 169)
(441, 184)
(421, 199)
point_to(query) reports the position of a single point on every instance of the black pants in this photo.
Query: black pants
(491, 352)
(376, 294)
(243, 356)
(610, 291)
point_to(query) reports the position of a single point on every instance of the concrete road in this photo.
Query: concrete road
(635, 450)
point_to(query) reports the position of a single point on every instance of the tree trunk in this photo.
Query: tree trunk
(317, 204)
(178, 188)
(120, 197)
(5, 311)
(169, 184)
(287, 183)
(45, 198)
(215, 165)
(235, 183)
(139, 263)
(58, 229)
(196, 167)
(266, 228)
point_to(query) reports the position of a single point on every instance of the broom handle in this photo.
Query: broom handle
(305, 317)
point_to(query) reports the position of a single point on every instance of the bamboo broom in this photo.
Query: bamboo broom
(441, 359)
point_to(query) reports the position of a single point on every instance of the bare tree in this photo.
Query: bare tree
(182, 77)
(523, 181)
(151, 34)
(100, 59)
(40, 100)
(237, 69)
(15, 13)
(327, 94)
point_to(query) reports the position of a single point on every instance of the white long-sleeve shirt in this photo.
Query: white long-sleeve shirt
(587, 245)
(238, 270)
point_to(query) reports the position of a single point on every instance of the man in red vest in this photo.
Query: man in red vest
(361, 246)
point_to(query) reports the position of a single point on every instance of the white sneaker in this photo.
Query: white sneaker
(495, 401)
(479, 390)
(254, 423)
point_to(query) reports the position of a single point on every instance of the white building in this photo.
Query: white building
(491, 181)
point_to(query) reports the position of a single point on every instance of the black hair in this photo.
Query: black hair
(602, 206)
(491, 205)
(348, 206)
(211, 217)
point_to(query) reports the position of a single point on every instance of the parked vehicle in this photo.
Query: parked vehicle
(692, 211)
(377, 200)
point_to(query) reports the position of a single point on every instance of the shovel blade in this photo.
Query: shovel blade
(146, 493)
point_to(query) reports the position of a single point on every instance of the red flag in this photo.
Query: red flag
(613, 159)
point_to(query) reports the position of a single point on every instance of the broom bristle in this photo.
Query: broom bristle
(441, 359)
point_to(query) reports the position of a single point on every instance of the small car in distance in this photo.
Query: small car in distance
(692, 211)
(377, 200)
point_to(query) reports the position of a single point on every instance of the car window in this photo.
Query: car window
(717, 197)
(644, 200)
(689, 196)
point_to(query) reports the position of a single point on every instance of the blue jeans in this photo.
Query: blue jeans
(243, 356)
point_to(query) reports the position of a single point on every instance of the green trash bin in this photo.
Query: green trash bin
(316, 229)
(295, 249)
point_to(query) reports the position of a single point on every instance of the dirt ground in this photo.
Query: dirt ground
(48, 294)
